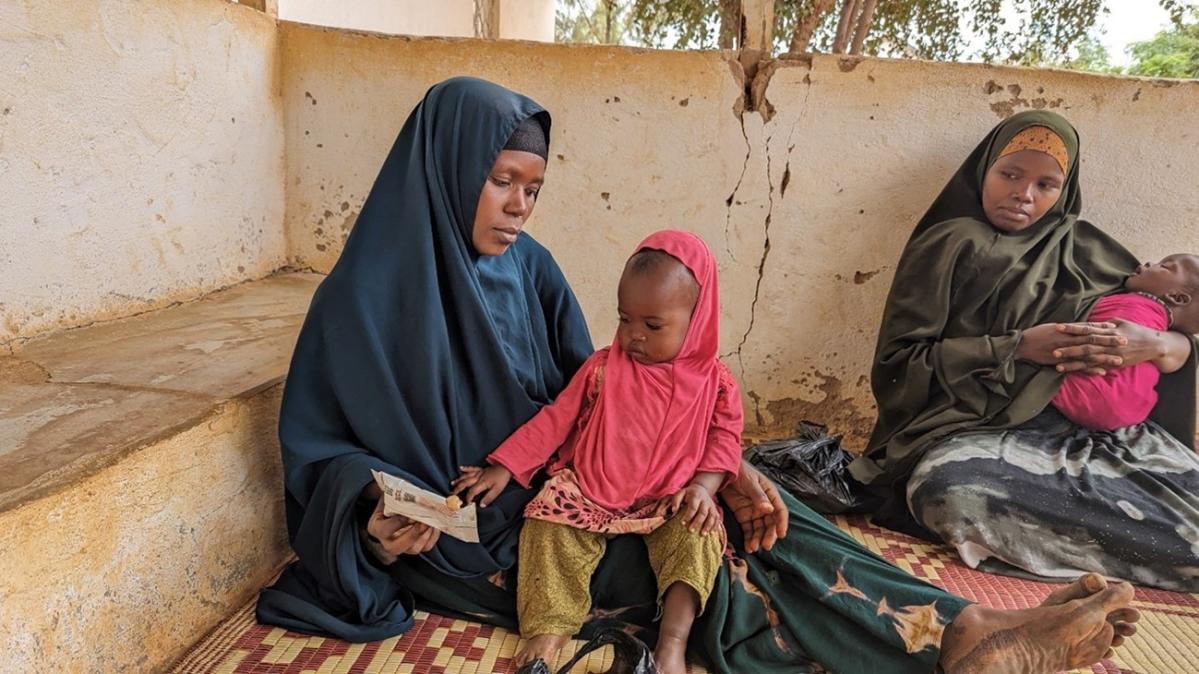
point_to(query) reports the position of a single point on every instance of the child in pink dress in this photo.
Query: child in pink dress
(1160, 297)
(641, 440)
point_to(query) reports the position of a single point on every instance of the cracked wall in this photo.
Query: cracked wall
(147, 153)
(806, 179)
(141, 157)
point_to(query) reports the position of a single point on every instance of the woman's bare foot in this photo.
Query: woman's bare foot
(1122, 620)
(1076, 626)
(671, 655)
(1085, 586)
(543, 646)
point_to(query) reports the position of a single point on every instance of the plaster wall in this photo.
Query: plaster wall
(806, 200)
(141, 157)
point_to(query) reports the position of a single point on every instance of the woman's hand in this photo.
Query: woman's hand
(1071, 347)
(696, 506)
(1135, 344)
(1168, 350)
(489, 482)
(759, 509)
(398, 535)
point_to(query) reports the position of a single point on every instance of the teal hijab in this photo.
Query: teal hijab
(417, 356)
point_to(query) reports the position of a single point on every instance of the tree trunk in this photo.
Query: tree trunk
(608, 21)
(864, 21)
(849, 9)
(802, 39)
(730, 23)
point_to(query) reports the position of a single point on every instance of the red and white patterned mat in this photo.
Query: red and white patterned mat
(1166, 643)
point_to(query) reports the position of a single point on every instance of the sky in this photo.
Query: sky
(1131, 21)
(1127, 21)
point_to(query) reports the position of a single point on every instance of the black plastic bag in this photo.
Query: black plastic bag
(630, 656)
(812, 466)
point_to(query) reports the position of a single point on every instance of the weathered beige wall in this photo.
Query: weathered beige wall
(527, 20)
(141, 157)
(519, 19)
(851, 155)
(140, 560)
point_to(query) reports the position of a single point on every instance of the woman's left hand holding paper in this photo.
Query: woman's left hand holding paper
(397, 535)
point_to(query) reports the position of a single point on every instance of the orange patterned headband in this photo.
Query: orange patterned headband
(1040, 139)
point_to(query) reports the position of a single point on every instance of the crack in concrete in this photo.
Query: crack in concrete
(754, 100)
(753, 306)
(728, 212)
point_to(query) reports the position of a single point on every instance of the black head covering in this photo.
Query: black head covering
(530, 136)
(963, 291)
(417, 356)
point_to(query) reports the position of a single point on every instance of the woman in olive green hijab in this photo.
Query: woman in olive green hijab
(984, 317)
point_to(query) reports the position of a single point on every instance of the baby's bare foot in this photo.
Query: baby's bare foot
(543, 646)
(671, 655)
(1078, 631)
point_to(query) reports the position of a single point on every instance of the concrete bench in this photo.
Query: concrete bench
(140, 487)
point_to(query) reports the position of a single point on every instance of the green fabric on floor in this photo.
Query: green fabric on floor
(817, 597)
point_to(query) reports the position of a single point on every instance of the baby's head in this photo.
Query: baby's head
(1175, 281)
(656, 298)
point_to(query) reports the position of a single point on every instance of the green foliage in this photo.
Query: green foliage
(1090, 56)
(1172, 53)
(931, 29)
(594, 21)
(677, 24)
(1053, 33)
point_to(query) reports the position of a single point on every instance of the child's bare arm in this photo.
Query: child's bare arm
(711, 481)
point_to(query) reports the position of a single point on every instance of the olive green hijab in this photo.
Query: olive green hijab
(963, 291)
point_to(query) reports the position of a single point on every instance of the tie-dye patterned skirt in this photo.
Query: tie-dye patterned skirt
(1051, 499)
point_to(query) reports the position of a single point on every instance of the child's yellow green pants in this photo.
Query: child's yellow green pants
(557, 561)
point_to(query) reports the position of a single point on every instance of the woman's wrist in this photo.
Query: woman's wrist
(371, 492)
(375, 547)
(1018, 350)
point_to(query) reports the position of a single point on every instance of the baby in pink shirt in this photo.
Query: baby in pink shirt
(1160, 297)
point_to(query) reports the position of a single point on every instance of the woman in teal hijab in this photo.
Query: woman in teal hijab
(982, 321)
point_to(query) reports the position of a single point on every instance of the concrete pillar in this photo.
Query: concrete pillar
(270, 7)
(757, 25)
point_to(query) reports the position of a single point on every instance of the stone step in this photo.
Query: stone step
(140, 488)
